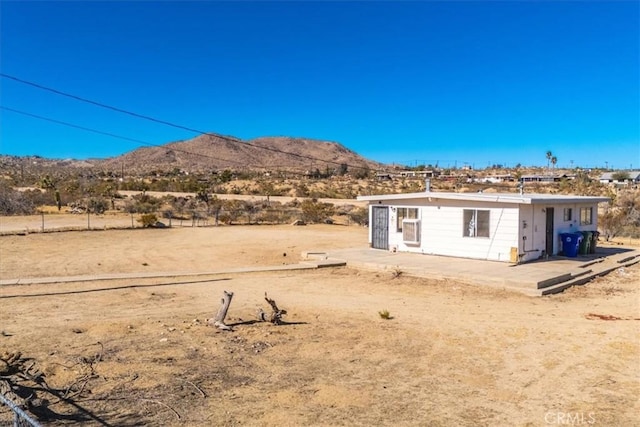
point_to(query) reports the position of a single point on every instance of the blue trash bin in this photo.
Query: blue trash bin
(571, 243)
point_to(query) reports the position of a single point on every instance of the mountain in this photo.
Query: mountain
(212, 152)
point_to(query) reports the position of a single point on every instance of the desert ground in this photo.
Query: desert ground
(140, 351)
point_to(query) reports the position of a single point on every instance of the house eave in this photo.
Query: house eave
(506, 198)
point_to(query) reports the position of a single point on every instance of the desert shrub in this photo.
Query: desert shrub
(295, 203)
(143, 203)
(148, 220)
(251, 209)
(97, 205)
(629, 203)
(231, 211)
(384, 314)
(14, 202)
(302, 190)
(316, 212)
(360, 216)
(611, 223)
(275, 215)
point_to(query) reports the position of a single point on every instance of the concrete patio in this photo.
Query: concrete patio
(536, 278)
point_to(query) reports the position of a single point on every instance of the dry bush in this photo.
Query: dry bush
(148, 220)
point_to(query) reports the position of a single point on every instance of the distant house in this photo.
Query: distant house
(417, 174)
(545, 178)
(491, 226)
(620, 178)
(495, 179)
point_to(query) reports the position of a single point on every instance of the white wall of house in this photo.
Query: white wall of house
(443, 230)
(511, 225)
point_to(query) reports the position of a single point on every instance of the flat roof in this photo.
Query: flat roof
(526, 198)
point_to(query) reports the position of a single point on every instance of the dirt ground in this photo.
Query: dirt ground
(140, 351)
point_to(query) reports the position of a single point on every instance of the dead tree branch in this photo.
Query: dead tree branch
(276, 313)
(218, 321)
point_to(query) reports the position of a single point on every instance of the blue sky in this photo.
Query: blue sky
(451, 83)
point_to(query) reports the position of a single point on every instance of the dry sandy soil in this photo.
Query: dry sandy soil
(140, 352)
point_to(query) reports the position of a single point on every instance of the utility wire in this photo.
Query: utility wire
(139, 141)
(164, 122)
(99, 104)
(24, 113)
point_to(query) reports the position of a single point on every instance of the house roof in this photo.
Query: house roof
(608, 176)
(526, 198)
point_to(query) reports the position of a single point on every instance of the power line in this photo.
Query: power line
(60, 122)
(167, 123)
(48, 119)
(100, 104)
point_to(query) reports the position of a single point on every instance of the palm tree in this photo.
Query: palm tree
(549, 156)
(554, 160)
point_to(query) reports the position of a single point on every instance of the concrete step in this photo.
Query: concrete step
(602, 269)
(323, 263)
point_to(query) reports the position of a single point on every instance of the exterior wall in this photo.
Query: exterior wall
(520, 226)
(534, 246)
(532, 235)
(442, 230)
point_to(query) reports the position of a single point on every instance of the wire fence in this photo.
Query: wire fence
(20, 418)
(52, 222)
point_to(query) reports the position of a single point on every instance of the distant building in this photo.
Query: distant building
(495, 179)
(417, 174)
(545, 179)
(613, 178)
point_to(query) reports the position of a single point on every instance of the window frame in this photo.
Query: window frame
(586, 215)
(567, 214)
(405, 213)
(472, 217)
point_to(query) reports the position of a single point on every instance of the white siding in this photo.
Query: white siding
(535, 232)
(442, 231)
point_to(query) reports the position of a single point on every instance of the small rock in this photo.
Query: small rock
(164, 339)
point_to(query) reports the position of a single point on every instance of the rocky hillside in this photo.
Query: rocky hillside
(212, 152)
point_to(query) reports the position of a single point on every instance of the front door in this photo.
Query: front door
(549, 232)
(380, 227)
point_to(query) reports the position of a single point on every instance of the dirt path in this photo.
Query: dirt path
(451, 355)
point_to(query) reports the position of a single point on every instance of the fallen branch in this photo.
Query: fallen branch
(276, 313)
(165, 405)
(594, 316)
(204, 396)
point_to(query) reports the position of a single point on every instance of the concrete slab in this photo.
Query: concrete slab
(536, 278)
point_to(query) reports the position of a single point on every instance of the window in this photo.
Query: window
(475, 223)
(586, 216)
(405, 213)
(568, 214)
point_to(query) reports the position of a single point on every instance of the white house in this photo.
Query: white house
(492, 226)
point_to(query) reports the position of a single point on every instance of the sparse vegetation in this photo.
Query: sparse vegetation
(384, 314)
(314, 211)
(148, 220)
(396, 272)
